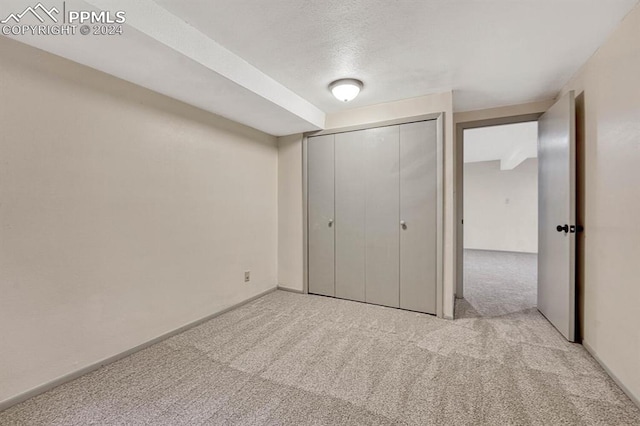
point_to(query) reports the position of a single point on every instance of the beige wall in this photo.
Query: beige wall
(123, 215)
(289, 162)
(501, 206)
(438, 102)
(609, 81)
(290, 217)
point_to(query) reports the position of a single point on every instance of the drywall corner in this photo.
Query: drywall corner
(290, 213)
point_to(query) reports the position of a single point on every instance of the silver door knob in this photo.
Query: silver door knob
(403, 224)
(330, 223)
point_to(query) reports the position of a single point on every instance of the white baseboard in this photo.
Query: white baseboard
(94, 366)
(292, 290)
(501, 251)
(625, 389)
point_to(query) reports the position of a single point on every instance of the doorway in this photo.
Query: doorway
(500, 241)
(561, 216)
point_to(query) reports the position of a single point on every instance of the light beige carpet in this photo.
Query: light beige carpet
(290, 359)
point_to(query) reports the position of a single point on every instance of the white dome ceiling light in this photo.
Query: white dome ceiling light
(345, 89)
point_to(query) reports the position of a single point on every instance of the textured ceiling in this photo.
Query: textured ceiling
(491, 52)
(267, 64)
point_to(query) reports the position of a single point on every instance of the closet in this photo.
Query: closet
(373, 215)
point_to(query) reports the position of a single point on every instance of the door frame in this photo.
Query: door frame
(439, 117)
(460, 127)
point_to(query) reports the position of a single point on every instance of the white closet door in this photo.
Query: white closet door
(321, 215)
(350, 215)
(418, 209)
(382, 216)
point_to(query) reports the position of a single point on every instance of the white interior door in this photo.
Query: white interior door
(557, 215)
(321, 215)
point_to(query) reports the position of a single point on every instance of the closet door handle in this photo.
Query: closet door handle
(330, 223)
(403, 224)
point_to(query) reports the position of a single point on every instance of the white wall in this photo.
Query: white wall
(441, 102)
(123, 215)
(609, 81)
(501, 206)
(290, 220)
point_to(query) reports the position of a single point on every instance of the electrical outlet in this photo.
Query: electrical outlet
(247, 276)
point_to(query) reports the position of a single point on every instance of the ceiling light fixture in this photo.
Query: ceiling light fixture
(345, 89)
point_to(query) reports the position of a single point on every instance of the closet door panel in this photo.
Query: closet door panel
(382, 216)
(321, 215)
(418, 207)
(350, 215)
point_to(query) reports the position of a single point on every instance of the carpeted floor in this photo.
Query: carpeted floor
(290, 359)
(498, 283)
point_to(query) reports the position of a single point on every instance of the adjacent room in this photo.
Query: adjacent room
(500, 190)
(325, 213)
